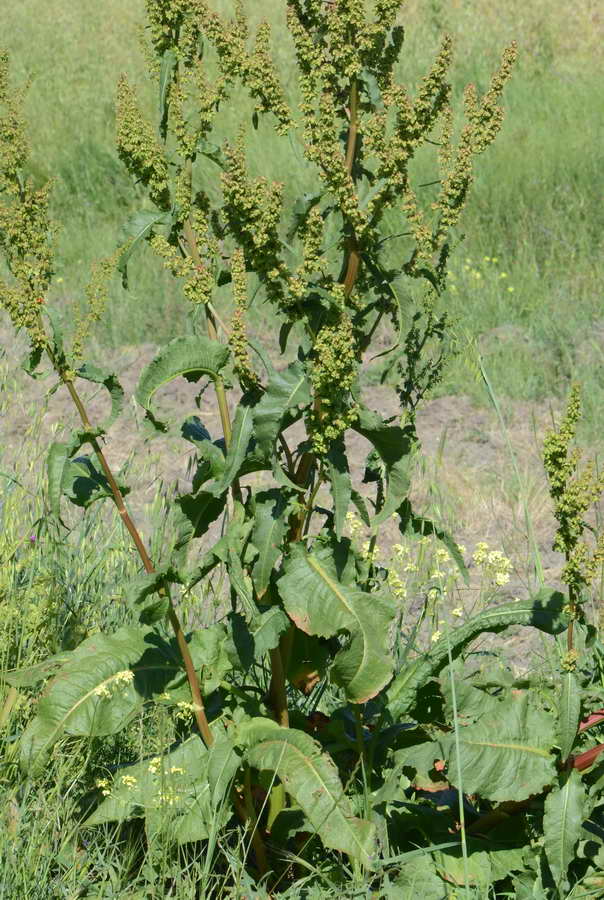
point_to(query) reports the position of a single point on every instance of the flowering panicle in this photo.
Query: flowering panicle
(97, 295)
(238, 338)
(139, 148)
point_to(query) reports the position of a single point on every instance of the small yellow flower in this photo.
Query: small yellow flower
(176, 770)
(436, 636)
(128, 781)
(511, 290)
(60, 280)
(503, 274)
(458, 611)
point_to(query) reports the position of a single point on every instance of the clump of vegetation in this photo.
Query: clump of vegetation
(308, 733)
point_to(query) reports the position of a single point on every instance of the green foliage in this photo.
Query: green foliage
(297, 721)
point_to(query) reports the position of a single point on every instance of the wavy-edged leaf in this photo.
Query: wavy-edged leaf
(140, 590)
(565, 810)
(83, 482)
(237, 449)
(506, 755)
(89, 372)
(268, 532)
(285, 391)
(180, 793)
(200, 510)
(138, 228)
(211, 453)
(93, 694)
(311, 778)
(320, 604)
(189, 355)
(569, 715)
(394, 446)
(545, 611)
(341, 485)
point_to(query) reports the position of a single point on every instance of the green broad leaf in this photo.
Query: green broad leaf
(190, 355)
(394, 446)
(569, 713)
(109, 381)
(33, 675)
(254, 639)
(136, 229)
(545, 611)
(312, 779)
(83, 482)
(418, 878)
(238, 448)
(209, 452)
(94, 693)
(140, 590)
(212, 652)
(361, 506)
(232, 541)
(505, 756)
(199, 510)
(320, 604)
(269, 529)
(409, 523)
(32, 362)
(180, 793)
(56, 460)
(166, 73)
(565, 810)
(285, 391)
(341, 485)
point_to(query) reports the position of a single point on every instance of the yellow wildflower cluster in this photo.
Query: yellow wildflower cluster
(107, 688)
(477, 274)
(494, 565)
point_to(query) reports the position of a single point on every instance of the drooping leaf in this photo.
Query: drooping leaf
(285, 391)
(341, 485)
(94, 693)
(180, 793)
(188, 355)
(320, 604)
(83, 482)
(56, 460)
(394, 446)
(210, 452)
(200, 510)
(311, 778)
(254, 639)
(569, 713)
(238, 447)
(137, 229)
(566, 808)
(268, 532)
(109, 381)
(140, 590)
(545, 611)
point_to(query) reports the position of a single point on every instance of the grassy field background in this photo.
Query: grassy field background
(525, 292)
(535, 314)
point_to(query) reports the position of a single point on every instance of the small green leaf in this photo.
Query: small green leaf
(92, 373)
(341, 486)
(238, 448)
(565, 810)
(311, 778)
(285, 391)
(395, 446)
(56, 460)
(83, 482)
(268, 532)
(186, 355)
(569, 713)
(136, 229)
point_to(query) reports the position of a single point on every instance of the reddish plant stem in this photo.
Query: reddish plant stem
(118, 499)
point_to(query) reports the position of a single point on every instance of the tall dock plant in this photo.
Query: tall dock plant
(306, 611)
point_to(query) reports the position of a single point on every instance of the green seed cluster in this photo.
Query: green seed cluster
(139, 148)
(97, 295)
(334, 369)
(198, 279)
(238, 337)
(255, 69)
(175, 25)
(573, 493)
(252, 209)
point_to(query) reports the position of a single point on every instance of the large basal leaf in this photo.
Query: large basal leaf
(267, 534)
(506, 755)
(180, 793)
(321, 604)
(96, 692)
(189, 355)
(566, 808)
(545, 611)
(394, 446)
(311, 778)
(285, 391)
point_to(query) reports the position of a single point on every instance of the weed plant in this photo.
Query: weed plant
(257, 703)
